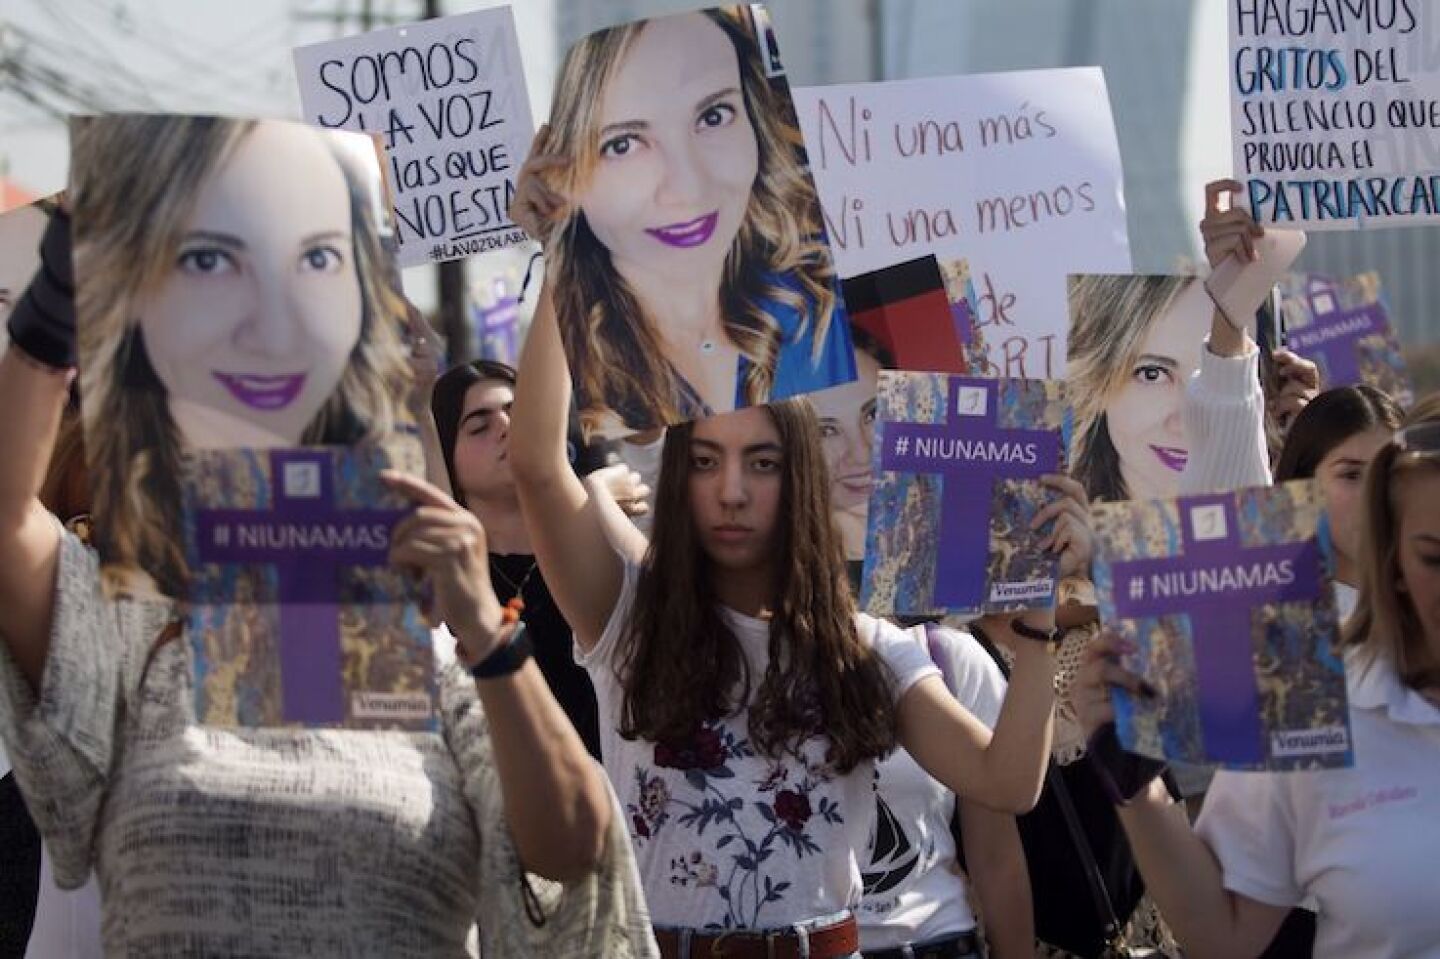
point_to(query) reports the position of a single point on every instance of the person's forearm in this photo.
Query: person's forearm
(1181, 875)
(541, 413)
(1019, 751)
(1002, 882)
(556, 801)
(33, 398)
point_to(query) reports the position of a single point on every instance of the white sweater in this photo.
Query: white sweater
(1225, 421)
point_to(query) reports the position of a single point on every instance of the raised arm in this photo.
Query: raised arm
(1181, 872)
(35, 375)
(581, 569)
(1004, 771)
(556, 802)
(1224, 404)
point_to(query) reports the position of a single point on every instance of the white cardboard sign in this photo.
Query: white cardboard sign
(447, 98)
(1019, 173)
(1335, 112)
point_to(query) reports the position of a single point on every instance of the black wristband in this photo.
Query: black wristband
(43, 322)
(1051, 638)
(507, 658)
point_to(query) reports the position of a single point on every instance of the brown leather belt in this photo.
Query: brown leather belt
(836, 941)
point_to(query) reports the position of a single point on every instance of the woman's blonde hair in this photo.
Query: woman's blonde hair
(134, 182)
(1385, 622)
(1109, 317)
(614, 348)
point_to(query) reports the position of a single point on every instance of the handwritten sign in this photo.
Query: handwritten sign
(1017, 172)
(448, 99)
(1336, 112)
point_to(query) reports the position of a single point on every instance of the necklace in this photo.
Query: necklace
(516, 604)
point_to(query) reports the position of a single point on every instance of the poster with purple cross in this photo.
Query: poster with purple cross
(296, 617)
(1229, 602)
(957, 462)
(1344, 329)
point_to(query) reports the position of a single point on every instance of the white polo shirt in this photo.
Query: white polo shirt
(1363, 843)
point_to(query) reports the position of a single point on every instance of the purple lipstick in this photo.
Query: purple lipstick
(1171, 458)
(262, 392)
(691, 233)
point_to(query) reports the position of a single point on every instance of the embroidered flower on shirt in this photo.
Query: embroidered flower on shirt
(704, 750)
(793, 808)
(703, 804)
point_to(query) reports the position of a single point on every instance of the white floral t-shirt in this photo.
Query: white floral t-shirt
(726, 838)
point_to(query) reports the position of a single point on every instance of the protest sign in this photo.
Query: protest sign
(274, 327)
(1019, 173)
(1335, 112)
(691, 274)
(957, 463)
(1344, 329)
(1229, 602)
(448, 99)
(295, 615)
(912, 316)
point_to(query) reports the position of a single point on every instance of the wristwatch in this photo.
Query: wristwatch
(507, 658)
(1051, 638)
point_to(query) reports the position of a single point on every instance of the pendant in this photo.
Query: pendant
(707, 347)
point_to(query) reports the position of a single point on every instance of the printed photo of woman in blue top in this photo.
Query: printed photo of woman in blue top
(685, 233)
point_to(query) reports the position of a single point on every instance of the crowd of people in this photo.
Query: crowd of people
(666, 729)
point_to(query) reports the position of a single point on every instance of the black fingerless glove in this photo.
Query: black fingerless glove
(43, 322)
(1122, 774)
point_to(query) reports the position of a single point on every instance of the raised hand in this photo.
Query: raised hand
(446, 543)
(538, 206)
(1228, 230)
(1071, 536)
(1298, 382)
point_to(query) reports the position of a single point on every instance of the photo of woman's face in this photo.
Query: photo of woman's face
(847, 432)
(677, 152)
(1145, 417)
(262, 306)
(20, 233)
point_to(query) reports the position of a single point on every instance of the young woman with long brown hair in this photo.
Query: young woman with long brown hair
(743, 700)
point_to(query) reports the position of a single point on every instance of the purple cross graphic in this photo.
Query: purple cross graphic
(1330, 341)
(309, 579)
(967, 482)
(1220, 622)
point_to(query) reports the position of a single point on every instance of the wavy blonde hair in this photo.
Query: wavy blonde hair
(1109, 317)
(1385, 623)
(615, 351)
(134, 182)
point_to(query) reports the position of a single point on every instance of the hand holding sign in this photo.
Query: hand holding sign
(448, 544)
(538, 207)
(1071, 537)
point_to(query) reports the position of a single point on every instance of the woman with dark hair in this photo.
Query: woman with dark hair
(743, 700)
(471, 405)
(1332, 441)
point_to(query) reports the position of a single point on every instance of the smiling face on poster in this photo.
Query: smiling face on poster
(233, 291)
(1135, 341)
(691, 270)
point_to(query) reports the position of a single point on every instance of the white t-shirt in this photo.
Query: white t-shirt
(1362, 842)
(729, 839)
(914, 891)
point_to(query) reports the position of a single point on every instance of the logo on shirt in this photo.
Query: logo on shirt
(1373, 799)
(893, 857)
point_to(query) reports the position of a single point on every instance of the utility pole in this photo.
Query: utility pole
(450, 283)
